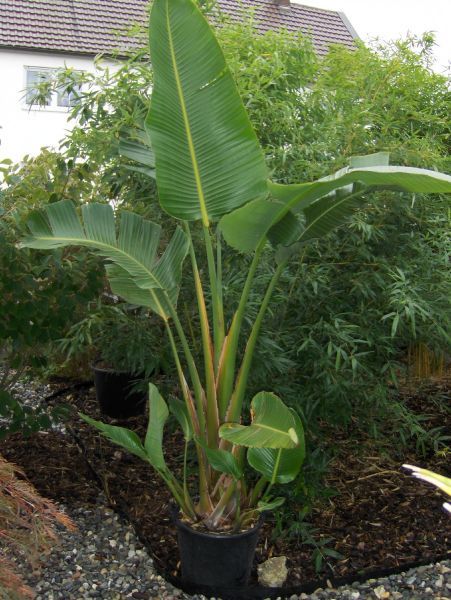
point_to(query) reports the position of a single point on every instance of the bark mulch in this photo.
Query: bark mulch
(379, 520)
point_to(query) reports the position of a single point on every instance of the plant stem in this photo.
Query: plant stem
(234, 411)
(197, 386)
(216, 298)
(213, 519)
(212, 419)
(226, 375)
(256, 492)
(199, 428)
(185, 463)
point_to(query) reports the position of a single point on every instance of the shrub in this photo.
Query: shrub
(27, 527)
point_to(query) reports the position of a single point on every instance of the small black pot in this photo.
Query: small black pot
(114, 395)
(214, 562)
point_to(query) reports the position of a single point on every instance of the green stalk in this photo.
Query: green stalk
(185, 503)
(197, 386)
(216, 298)
(236, 402)
(185, 470)
(256, 492)
(226, 375)
(219, 290)
(274, 475)
(212, 406)
(213, 519)
(204, 497)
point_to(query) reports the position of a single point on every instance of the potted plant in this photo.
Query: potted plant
(123, 343)
(210, 170)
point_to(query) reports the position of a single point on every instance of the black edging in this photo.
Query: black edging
(253, 592)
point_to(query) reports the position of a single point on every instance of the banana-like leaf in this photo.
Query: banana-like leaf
(326, 203)
(270, 504)
(157, 300)
(158, 414)
(244, 228)
(119, 435)
(139, 275)
(180, 412)
(273, 425)
(222, 460)
(208, 160)
(264, 460)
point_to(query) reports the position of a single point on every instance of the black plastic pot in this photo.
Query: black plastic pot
(114, 393)
(216, 562)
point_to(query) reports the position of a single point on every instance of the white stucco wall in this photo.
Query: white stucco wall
(24, 130)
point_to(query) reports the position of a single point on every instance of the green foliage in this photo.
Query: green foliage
(388, 273)
(120, 336)
(41, 295)
(16, 417)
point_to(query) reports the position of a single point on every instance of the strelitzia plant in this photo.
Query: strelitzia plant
(210, 169)
(440, 481)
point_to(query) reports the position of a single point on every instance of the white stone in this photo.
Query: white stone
(273, 572)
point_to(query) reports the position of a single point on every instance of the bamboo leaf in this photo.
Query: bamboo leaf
(440, 481)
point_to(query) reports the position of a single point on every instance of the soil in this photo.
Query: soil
(379, 519)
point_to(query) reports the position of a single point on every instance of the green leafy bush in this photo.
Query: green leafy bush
(41, 295)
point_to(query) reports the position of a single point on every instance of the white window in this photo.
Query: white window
(41, 91)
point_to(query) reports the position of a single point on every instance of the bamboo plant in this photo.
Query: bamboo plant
(210, 169)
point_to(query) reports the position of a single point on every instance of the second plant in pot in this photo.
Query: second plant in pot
(210, 170)
(123, 344)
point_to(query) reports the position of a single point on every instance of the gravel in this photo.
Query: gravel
(104, 559)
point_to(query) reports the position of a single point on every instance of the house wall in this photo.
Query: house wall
(25, 130)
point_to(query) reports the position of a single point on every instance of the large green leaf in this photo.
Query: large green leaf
(158, 414)
(208, 160)
(180, 412)
(138, 274)
(326, 203)
(273, 425)
(119, 435)
(265, 460)
(124, 286)
(222, 460)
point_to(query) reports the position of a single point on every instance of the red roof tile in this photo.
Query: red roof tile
(100, 26)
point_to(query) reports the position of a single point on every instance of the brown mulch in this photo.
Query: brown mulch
(379, 518)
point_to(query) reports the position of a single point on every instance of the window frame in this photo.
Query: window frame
(55, 97)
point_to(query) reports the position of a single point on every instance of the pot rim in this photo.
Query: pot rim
(110, 370)
(175, 512)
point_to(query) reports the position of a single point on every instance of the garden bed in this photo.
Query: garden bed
(380, 520)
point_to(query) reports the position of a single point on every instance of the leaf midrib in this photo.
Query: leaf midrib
(192, 151)
(88, 242)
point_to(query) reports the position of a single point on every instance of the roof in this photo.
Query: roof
(92, 27)
(326, 27)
